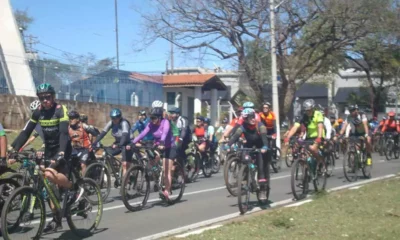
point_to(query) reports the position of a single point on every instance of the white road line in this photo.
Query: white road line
(234, 215)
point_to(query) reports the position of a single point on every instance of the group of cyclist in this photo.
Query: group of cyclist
(63, 132)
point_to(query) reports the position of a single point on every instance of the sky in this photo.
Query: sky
(82, 26)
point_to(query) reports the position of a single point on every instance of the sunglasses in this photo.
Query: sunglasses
(46, 97)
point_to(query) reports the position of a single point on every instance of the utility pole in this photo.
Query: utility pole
(117, 46)
(275, 98)
(172, 53)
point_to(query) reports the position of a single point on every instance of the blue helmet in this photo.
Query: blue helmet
(248, 105)
(248, 112)
(201, 118)
(115, 113)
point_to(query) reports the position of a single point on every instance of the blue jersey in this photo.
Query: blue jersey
(140, 126)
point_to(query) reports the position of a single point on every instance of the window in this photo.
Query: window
(170, 98)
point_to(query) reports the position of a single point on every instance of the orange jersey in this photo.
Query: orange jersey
(268, 119)
(79, 137)
(391, 125)
(199, 132)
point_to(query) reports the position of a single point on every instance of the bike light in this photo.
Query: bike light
(247, 157)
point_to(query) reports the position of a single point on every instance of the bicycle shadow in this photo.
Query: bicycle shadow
(69, 235)
(255, 204)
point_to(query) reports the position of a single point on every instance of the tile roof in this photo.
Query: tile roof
(147, 78)
(187, 79)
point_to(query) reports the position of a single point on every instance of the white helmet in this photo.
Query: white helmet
(157, 104)
(34, 105)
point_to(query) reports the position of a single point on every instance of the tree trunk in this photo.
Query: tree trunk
(288, 98)
(253, 81)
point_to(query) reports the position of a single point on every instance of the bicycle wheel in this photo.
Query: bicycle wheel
(382, 148)
(330, 163)
(207, 166)
(16, 220)
(365, 169)
(177, 184)
(192, 166)
(289, 157)
(320, 180)
(389, 150)
(350, 167)
(276, 161)
(336, 150)
(7, 186)
(396, 152)
(101, 175)
(231, 171)
(299, 179)
(243, 183)
(216, 163)
(137, 180)
(81, 210)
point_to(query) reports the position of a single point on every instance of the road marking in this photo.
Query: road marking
(256, 209)
(299, 203)
(198, 231)
(356, 187)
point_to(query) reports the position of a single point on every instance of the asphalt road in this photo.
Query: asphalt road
(203, 200)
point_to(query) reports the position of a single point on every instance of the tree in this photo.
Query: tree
(23, 18)
(310, 33)
(89, 64)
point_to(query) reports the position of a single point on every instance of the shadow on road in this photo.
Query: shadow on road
(69, 235)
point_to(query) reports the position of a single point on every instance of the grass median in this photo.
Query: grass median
(370, 212)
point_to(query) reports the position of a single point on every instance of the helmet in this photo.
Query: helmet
(248, 112)
(157, 104)
(157, 112)
(267, 103)
(201, 118)
(384, 118)
(340, 120)
(174, 110)
(240, 109)
(353, 107)
(207, 120)
(297, 119)
(332, 117)
(73, 115)
(45, 88)
(84, 118)
(391, 114)
(225, 120)
(34, 105)
(248, 105)
(115, 113)
(308, 104)
(142, 112)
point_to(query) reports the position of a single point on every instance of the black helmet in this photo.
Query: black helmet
(207, 120)
(174, 110)
(353, 107)
(142, 112)
(201, 118)
(225, 120)
(84, 118)
(157, 112)
(45, 88)
(332, 117)
(115, 113)
(73, 115)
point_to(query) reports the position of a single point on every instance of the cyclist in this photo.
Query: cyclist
(359, 124)
(200, 134)
(268, 118)
(380, 126)
(53, 119)
(38, 129)
(119, 127)
(313, 120)
(210, 135)
(392, 125)
(3, 147)
(160, 128)
(140, 124)
(255, 134)
(84, 119)
(184, 136)
(327, 124)
(231, 125)
(223, 126)
(79, 134)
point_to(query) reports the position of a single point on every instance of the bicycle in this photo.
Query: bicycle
(391, 148)
(248, 173)
(329, 157)
(231, 170)
(305, 169)
(276, 153)
(139, 176)
(33, 197)
(356, 160)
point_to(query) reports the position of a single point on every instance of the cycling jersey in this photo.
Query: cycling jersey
(233, 122)
(182, 124)
(79, 135)
(357, 122)
(269, 120)
(391, 125)
(255, 135)
(241, 119)
(210, 131)
(162, 133)
(311, 124)
(328, 128)
(119, 131)
(38, 132)
(140, 126)
(199, 132)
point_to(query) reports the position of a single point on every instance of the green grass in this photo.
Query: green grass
(371, 212)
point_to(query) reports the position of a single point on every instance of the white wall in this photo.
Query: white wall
(14, 52)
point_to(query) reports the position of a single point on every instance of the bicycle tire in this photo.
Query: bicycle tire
(87, 232)
(336, 150)
(232, 191)
(396, 152)
(192, 177)
(330, 163)
(178, 168)
(346, 168)
(389, 150)
(289, 152)
(276, 165)
(324, 178)
(206, 166)
(305, 180)
(216, 163)
(125, 182)
(89, 174)
(243, 206)
(39, 200)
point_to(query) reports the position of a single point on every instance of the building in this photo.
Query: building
(133, 88)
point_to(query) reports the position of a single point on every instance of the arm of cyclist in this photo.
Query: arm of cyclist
(134, 128)
(365, 123)
(142, 134)
(31, 139)
(166, 128)
(235, 137)
(263, 133)
(90, 129)
(103, 133)
(328, 127)
(384, 126)
(26, 132)
(185, 125)
(125, 134)
(63, 129)
(211, 132)
(292, 131)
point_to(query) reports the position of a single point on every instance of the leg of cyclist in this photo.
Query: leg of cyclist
(127, 154)
(168, 164)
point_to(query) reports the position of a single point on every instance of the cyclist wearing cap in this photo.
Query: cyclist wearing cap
(141, 124)
(38, 129)
(160, 128)
(313, 120)
(54, 121)
(358, 123)
(255, 134)
(119, 127)
(184, 135)
(79, 134)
